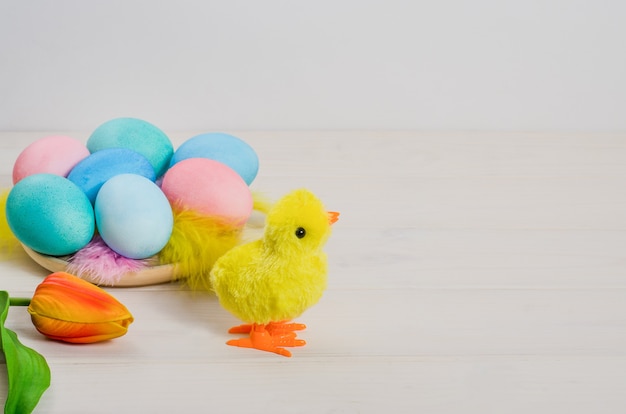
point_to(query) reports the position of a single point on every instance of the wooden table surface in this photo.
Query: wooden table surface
(469, 273)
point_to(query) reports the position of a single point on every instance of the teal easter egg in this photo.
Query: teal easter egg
(225, 148)
(133, 216)
(137, 135)
(50, 214)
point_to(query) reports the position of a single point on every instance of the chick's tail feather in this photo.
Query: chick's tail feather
(260, 202)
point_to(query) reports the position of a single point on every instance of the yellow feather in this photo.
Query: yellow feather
(260, 202)
(196, 242)
(8, 241)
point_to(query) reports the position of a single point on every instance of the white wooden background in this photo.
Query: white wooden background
(469, 273)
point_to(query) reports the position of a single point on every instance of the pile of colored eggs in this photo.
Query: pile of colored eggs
(124, 185)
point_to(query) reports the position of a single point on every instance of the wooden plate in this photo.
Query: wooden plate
(149, 276)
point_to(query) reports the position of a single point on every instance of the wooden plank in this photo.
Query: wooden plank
(518, 385)
(368, 323)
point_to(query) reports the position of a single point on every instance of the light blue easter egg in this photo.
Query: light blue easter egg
(50, 214)
(137, 135)
(133, 216)
(97, 168)
(225, 148)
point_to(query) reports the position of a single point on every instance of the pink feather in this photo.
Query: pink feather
(102, 265)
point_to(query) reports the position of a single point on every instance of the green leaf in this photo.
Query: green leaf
(27, 370)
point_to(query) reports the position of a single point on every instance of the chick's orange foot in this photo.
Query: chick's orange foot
(274, 328)
(260, 338)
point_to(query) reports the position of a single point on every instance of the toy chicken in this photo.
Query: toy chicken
(269, 282)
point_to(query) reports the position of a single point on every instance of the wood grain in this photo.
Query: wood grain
(469, 273)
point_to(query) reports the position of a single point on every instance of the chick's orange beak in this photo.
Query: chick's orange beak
(333, 216)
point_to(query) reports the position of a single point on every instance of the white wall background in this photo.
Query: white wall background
(267, 64)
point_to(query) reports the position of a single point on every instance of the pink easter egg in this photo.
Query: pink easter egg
(56, 154)
(210, 188)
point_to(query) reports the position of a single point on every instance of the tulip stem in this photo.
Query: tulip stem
(19, 301)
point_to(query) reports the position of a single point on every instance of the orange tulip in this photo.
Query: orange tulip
(70, 309)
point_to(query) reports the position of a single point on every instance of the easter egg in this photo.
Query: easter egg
(55, 154)
(210, 188)
(224, 148)
(133, 216)
(92, 172)
(137, 135)
(50, 214)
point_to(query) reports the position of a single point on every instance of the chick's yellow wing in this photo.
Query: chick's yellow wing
(234, 279)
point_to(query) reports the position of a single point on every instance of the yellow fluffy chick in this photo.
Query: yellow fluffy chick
(270, 281)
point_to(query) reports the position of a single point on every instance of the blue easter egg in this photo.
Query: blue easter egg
(50, 214)
(137, 135)
(97, 168)
(224, 148)
(133, 216)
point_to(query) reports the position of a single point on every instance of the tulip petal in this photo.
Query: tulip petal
(67, 308)
(79, 332)
(27, 370)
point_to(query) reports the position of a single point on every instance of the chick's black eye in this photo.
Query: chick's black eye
(300, 232)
